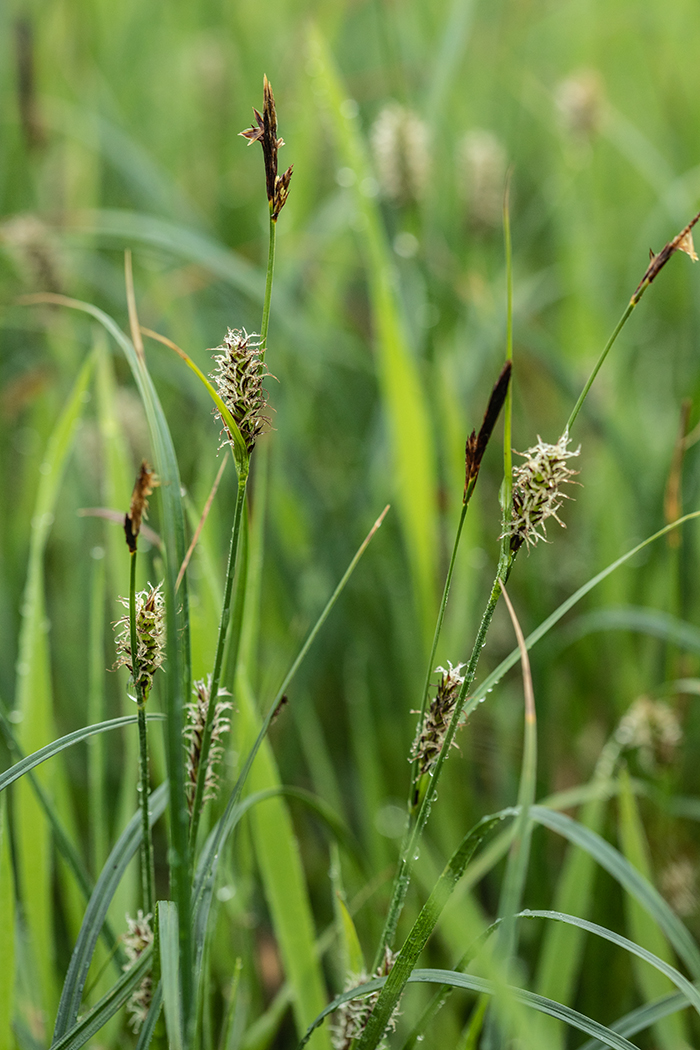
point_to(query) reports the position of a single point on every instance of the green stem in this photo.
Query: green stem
(508, 407)
(606, 349)
(218, 659)
(403, 872)
(147, 868)
(415, 786)
(268, 285)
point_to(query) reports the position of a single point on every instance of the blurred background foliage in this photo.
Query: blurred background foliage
(119, 130)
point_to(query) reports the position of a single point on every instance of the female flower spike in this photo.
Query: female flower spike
(150, 634)
(536, 490)
(431, 732)
(239, 377)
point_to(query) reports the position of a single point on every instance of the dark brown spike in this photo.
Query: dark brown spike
(138, 509)
(476, 444)
(659, 261)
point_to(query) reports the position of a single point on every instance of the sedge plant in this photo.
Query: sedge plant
(163, 960)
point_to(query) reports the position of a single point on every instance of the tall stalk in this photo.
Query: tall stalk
(219, 657)
(147, 866)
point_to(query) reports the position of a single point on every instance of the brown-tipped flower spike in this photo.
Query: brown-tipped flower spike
(194, 731)
(239, 376)
(536, 490)
(138, 937)
(476, 444)
(138, 509)
(266, 134)
(431, 732)
(682, 242)
(150, 634)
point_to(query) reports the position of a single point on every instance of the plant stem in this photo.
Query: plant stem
(219, 658)
(403, 872)
(508, 407)
(147, 867)
(414, 789)
(268, 284)
(618, 328)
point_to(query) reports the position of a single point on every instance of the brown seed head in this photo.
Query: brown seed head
(264, 131)
(476, 444)
(682, 242)
(138, 509)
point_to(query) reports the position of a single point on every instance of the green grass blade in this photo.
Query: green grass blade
(133, 228)
(177, 681)
(652, 622)
(170, 969)
(117, 862)
(277, 854)
(239, 447)
(117, 483)
(7, 932)
(562, 946)
(656, 962)
(96, 1018)
(643, 1017)
(477, 984)
(33, 695)
(510, 661)
(56, 746)
(98, 822)
(519, 854)
(422, 928)
(402, 387)
(629, 878)
(671, 1032)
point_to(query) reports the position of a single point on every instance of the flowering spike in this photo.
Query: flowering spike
(431, 732)
(352, 1016)
(194, 731)
(264, 131)
(145, 483)
(239, 375)
(536, 490)
(138, 937)
(150, 633)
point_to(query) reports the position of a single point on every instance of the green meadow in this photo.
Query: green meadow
(474, 185)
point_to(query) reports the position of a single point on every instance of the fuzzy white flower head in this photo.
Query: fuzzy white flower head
(652, 728)
(482, 163)
(239, 375)
(150, 637)
(537, 491)
(400, 142)
(138, 937)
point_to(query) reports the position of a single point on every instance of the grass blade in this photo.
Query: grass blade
(682, 983)
(510, 661)
(177, 681)
(123, 851)
(401, 385)
(477, 984)
(7, 931)
(629, 878)
(34, 701)
(671, 1032)
(422, 928)
(56, 746)
(93, 1021)
(168, 936)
